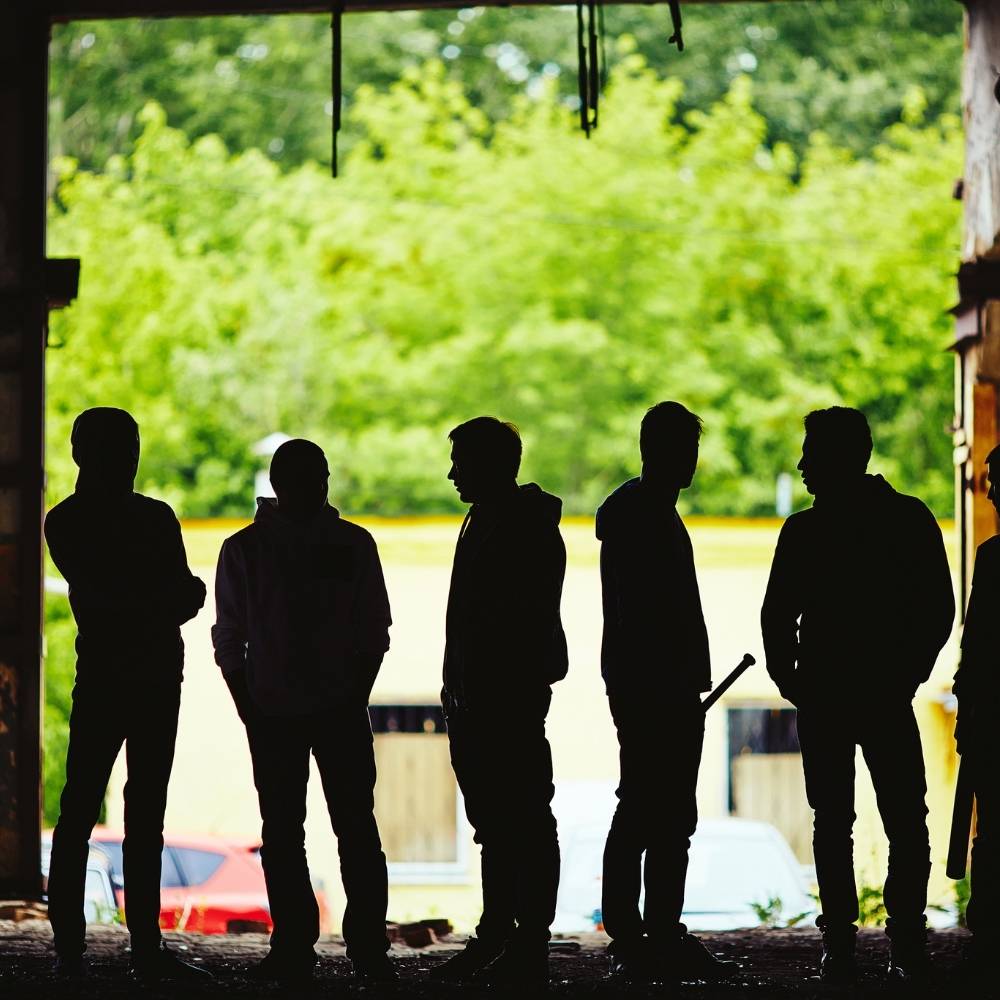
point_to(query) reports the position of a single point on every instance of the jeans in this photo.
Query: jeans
(341, 742)
(106, 713)
(890, 743)
(503, 764)
(656, 815)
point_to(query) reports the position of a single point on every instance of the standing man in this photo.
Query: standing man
(977, 685)
(858, 606)
(130, 590)
(301, 629)
(654, 654)
(505, 647)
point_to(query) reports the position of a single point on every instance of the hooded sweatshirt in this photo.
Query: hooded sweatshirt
(859, 599)
(504, 634)
(654, 629)
(296, 603)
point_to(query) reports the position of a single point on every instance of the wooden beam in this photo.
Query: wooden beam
(80, 10)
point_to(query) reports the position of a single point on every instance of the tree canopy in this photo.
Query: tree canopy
(462, 265)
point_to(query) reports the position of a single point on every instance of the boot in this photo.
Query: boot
(630, 961)
(162, 965)
(838, 966)
(460, 968)
(520, 964)
(908, 958)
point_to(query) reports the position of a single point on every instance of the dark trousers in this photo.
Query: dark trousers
(983, 913)
(503, 764)
(105, 714)
(890, 743)
(656, 815)
(341, 742)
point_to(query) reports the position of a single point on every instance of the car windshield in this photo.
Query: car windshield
(728, 873)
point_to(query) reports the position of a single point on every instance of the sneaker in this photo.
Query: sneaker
(909, 961)
(460, 968)
(286, 971)
(838, 965)
(517, 965)
(378, 969)
(629, 961)
(163, 965)
(692, 960)
(70, 967)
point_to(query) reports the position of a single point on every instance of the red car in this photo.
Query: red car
(210, 885)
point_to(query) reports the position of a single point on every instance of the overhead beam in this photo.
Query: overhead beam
(86, 10)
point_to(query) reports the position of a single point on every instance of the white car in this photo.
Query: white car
(734, 863)
(99, 903)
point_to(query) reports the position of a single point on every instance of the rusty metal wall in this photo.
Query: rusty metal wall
(23, 82)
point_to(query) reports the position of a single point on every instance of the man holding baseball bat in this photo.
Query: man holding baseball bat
(654, 655)
(858, 605)
(977, 685)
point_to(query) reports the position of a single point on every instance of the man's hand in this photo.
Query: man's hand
(236, 680)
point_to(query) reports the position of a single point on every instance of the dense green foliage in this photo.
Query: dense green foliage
(60, 667)
(458, 268)
(264, 82)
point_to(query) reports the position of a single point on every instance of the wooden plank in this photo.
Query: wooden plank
(984, 439)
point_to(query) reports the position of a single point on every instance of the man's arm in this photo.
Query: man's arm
(779, 616)
(230, 632)
(185, 592)
(373, 618)
(933, 596)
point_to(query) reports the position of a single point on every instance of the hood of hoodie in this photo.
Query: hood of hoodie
(533, 502)
(618, 510)
(868, 491)
(270, 518)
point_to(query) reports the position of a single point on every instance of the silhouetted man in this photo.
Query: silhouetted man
(302, 625)
(505, 647)
(977, 685)
(130, 590)
(654, 656)
(858, 606)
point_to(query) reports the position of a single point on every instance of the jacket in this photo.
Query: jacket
(654, 628)
(130, 587)
(859, 599)
(503, 633)
(298, 604)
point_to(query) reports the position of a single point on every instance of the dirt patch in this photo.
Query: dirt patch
(776, 963)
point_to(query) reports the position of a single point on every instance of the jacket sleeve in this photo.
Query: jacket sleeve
(779, 616)
(932, 597)
(184, 593)
(976, 676)
(230, 632)
(542, 595)
(372, 615)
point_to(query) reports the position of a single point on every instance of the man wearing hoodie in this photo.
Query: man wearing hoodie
(858, 605)
(302, 627)
(504, 648)
(130, 590)
(654, 654)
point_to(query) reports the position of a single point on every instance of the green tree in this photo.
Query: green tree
(462, 266)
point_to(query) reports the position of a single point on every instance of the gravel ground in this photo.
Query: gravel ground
(776, 963)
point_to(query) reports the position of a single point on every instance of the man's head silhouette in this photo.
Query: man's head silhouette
(485, 457)
(836, 449)
(105, 443)
(301, 478)
(668, 443)
(993, 477)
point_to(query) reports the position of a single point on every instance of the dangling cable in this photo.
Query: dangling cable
(601, 36)
(675, 17)
(594, 66)
(583, 75)
(336, 80)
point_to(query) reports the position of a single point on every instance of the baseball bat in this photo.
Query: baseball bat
(741, 668)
